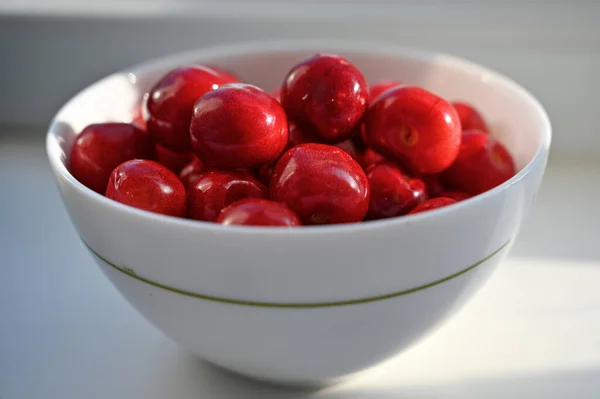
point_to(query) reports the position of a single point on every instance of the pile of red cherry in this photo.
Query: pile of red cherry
(325, 148)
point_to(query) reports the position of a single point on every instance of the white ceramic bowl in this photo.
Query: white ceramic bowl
(312, 304)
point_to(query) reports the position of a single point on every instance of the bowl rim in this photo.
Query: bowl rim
(274, 46)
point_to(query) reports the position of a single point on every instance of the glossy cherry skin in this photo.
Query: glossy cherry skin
(433, 203)
(100, 148)
(171, 101)
(238, 126)
(470, 119)
(214, 190)
(392, 192)
(173, 160)
(455, 195)
(258, 212)
(482, 164)
(379, 87)
(415, 127)
(321, 184)
(196, 168)
(147, 185)
(328, 94)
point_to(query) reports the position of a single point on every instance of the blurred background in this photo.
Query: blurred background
(545, 297)
(50, 49)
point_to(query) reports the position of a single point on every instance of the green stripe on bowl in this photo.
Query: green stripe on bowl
(298, 305)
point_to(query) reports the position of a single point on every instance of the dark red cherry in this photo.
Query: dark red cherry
(238, 126)
(326, 93)
(147, 185)
(258, 212)
(322, 184)
(101, 147)
(171, 101)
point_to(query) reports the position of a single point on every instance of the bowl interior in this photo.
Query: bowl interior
(515, 118)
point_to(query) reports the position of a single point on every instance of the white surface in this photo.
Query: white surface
(66, 333)
(312, 264)
(50, 48)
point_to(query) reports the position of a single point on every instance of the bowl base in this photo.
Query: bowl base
(293, 385)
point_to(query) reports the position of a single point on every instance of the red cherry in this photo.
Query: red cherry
(258, 212)
(369, 157)
(322, 184)
(173, 160)
(392, 193)
(379, 87)
(470, 119)
(171, 101)
(196, 167)
(238, 126)
(433, 203)
(455, 195)
(215, 190)
(327, 93)
(482, 164)
(147, 185)
(434, 186)
(101, 147)
(417, 128)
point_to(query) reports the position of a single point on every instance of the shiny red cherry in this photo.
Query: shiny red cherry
(433, 203)
(455, 195)
(482, 164)
(415, 127)
(212, 191)
(147, 185)
(322, 184)
(392, 192)
(326, 93)
(238, 126)
(379, 87)
(101, 147)
(173, 160)
(171, 101)
(258, 212)
(470, 119)
(196, 167)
